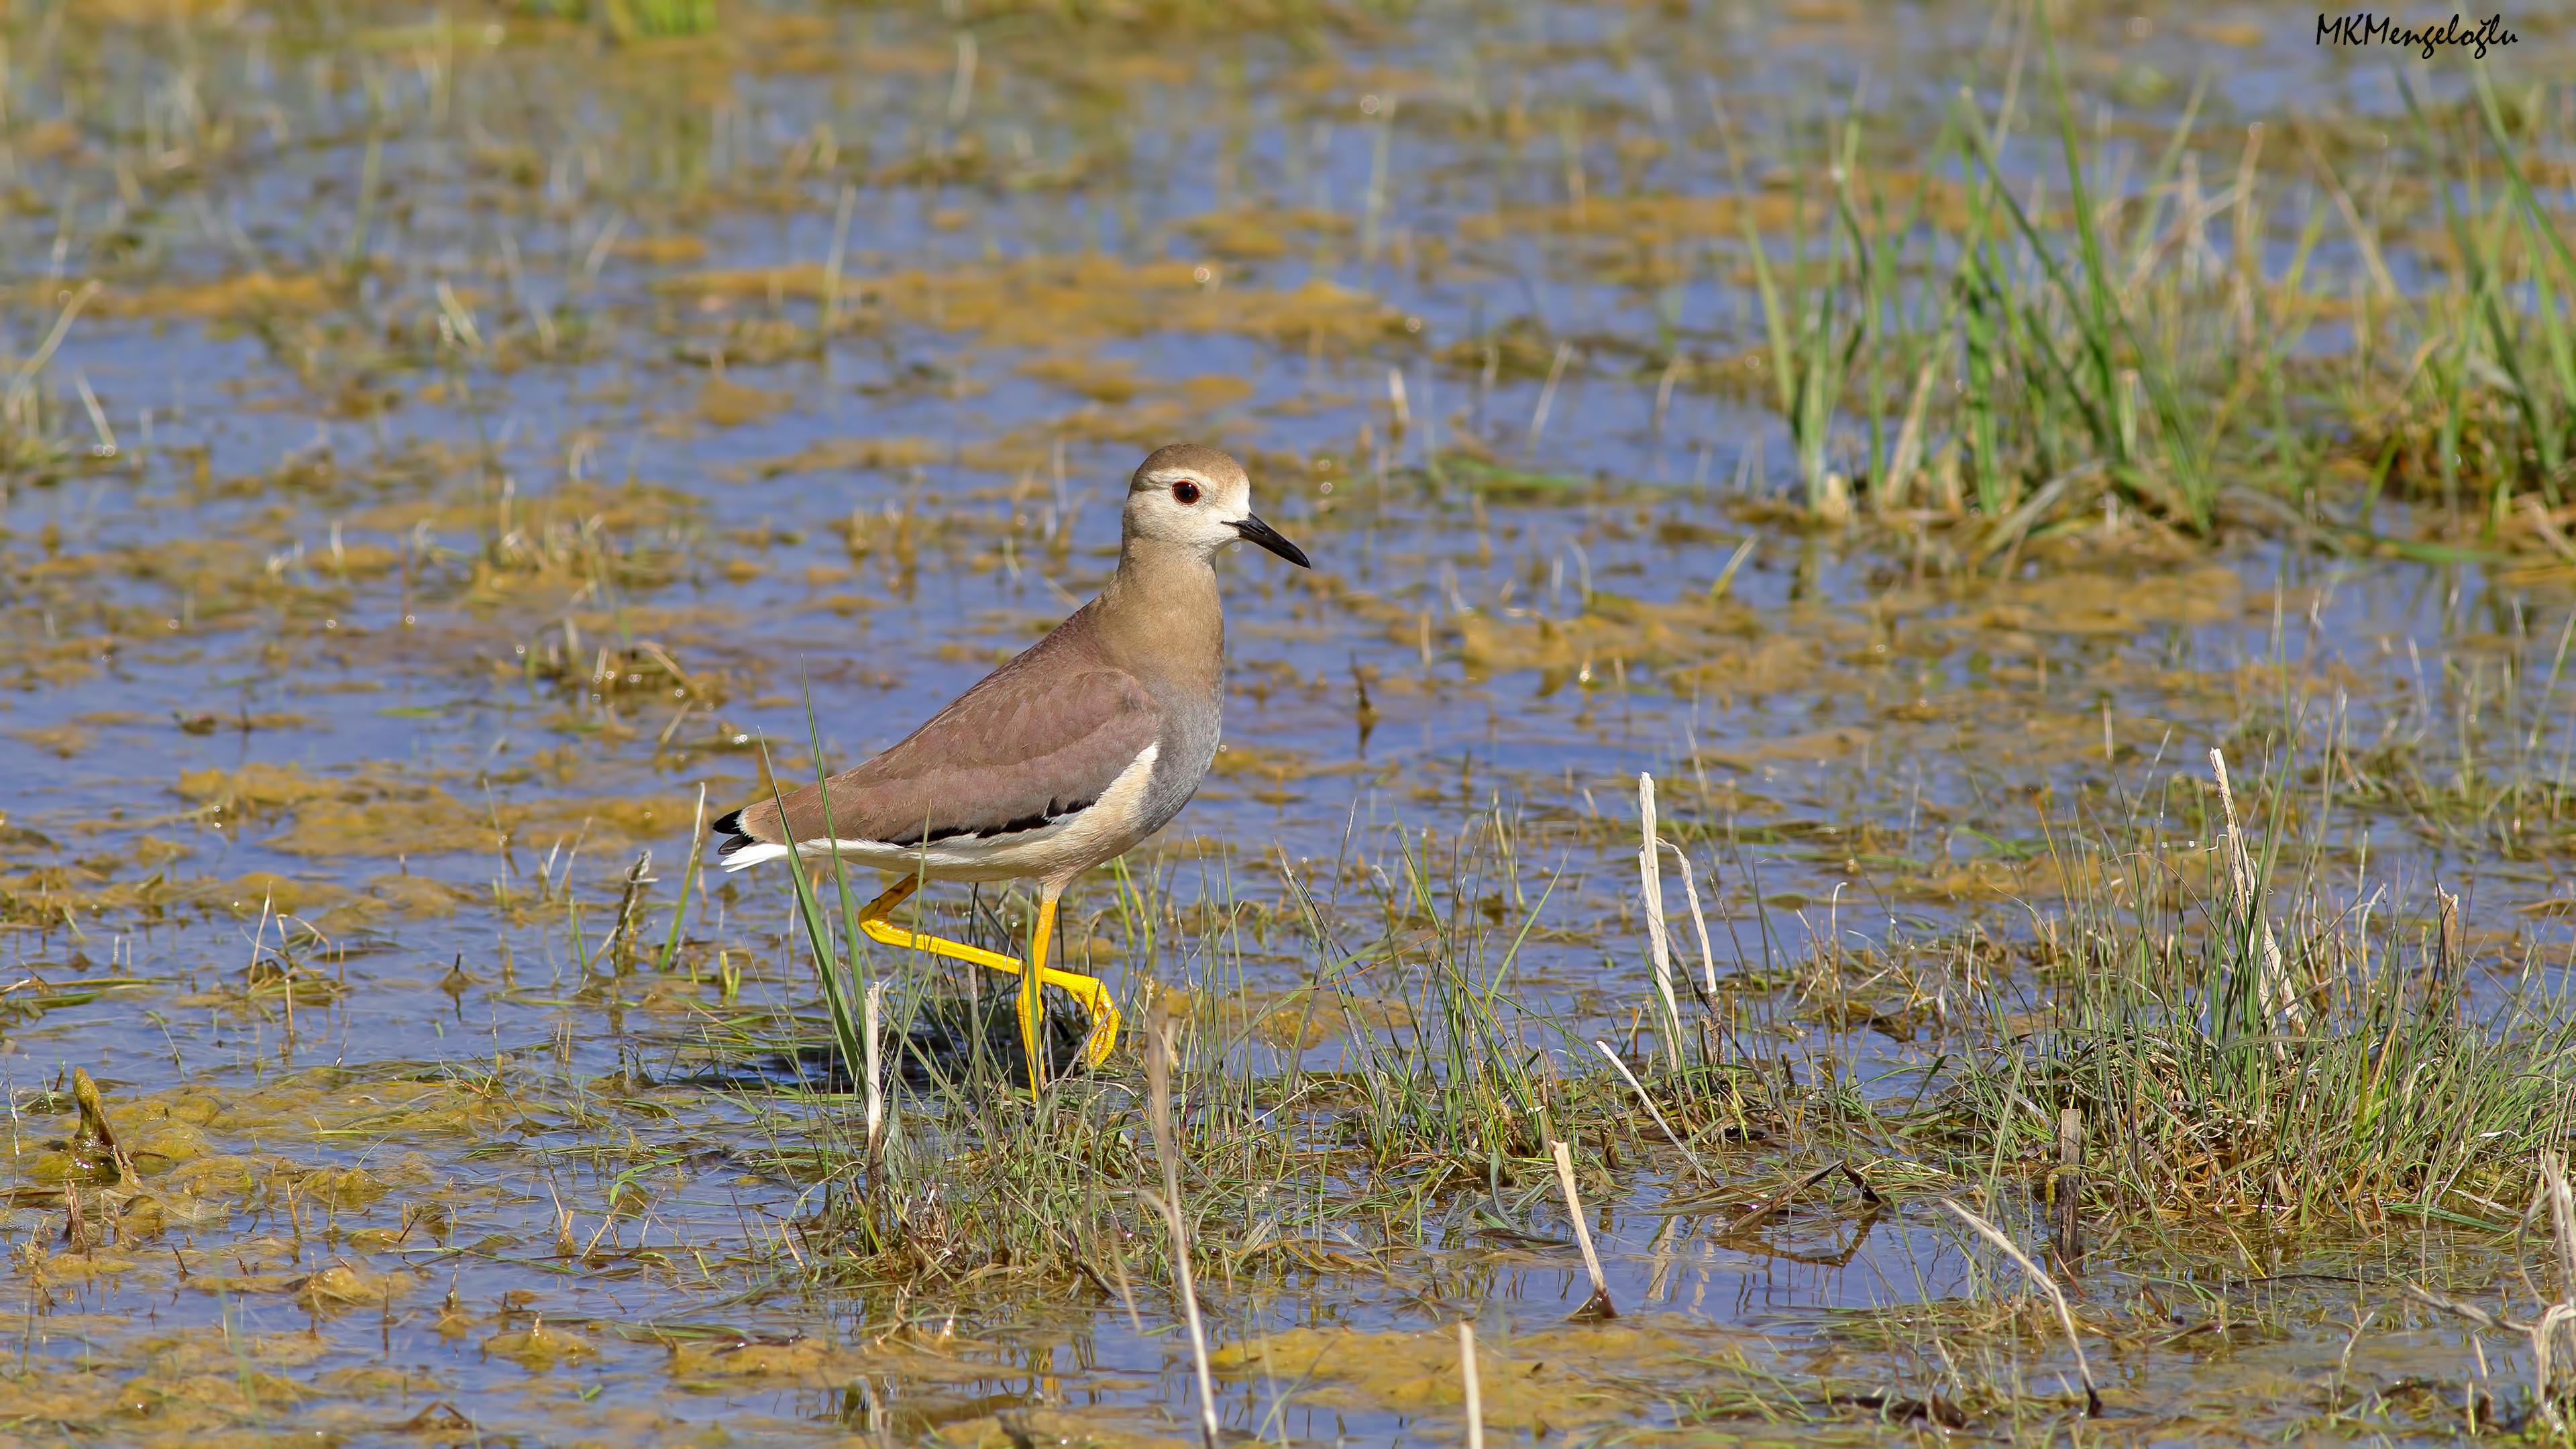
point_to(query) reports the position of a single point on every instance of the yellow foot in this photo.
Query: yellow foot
(1085, 989)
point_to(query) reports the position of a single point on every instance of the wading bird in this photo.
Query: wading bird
(1061, 759)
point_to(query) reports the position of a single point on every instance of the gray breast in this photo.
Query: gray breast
(1191, 725)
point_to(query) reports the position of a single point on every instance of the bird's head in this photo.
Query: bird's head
(1200, 499)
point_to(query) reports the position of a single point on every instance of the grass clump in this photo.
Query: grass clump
(2348, 1066)
(2322, 1066)
(2022, 337)
(1444, 1091)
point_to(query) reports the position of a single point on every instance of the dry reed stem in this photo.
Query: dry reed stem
(1158, 1092)
(1908, 456)
(1547, 395)
(832, 265)
(1699, 927)
(2556, 1325)
(2446, 968)
(1650, 876)
(1599, 1304)
(1474, 1391)
(2562, 1220)
(2048, 1285)
(875, 1015)
(23, 386)
(2066, 1186)
(2552, 1334)
(2273, 986)
(1126, 1290)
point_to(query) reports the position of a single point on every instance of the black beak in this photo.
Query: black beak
(1256, 531)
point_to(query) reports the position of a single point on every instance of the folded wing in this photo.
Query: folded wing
(1022, 748)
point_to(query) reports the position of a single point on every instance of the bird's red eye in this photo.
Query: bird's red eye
(1185, 492)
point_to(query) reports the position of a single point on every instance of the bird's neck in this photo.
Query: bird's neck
(1160, 614)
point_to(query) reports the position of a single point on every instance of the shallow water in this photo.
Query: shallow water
(416, 598)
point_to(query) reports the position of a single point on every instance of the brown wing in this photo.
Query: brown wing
(1020, 748)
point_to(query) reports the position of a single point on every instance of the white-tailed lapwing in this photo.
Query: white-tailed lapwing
(1062, 758)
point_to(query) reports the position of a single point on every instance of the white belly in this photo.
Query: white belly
(1055, 852)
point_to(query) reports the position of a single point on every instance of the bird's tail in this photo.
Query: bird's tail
(736, 849)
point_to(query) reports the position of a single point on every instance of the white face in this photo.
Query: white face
(1200, 499)
(1194, 506)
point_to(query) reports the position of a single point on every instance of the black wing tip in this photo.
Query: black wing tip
(729, 823)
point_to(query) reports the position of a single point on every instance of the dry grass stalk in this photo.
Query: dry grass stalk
(2048, 1285)
(1599, 1304)
(76, 1218)
(832, 266)
(2446, 969)
(1474, 1391)
(1126, 1289)
(875, 1017)
(1547, 395)
(1754, 1216)
(1699, 928)
(621, 938)
(1648, 1103)
(1908, 456)
(2067, 1185)
(2280, 1003)
(2562, 1222)
(15, 408)
(1650, 877)
(2553, 1334)
(1158, 1094)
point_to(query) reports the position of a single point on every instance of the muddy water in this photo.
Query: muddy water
(484, 440)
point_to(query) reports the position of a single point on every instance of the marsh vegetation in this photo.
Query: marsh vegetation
(1922, 787)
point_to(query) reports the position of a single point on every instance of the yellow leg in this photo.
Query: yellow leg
(1032, 987)
(1086, 989)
